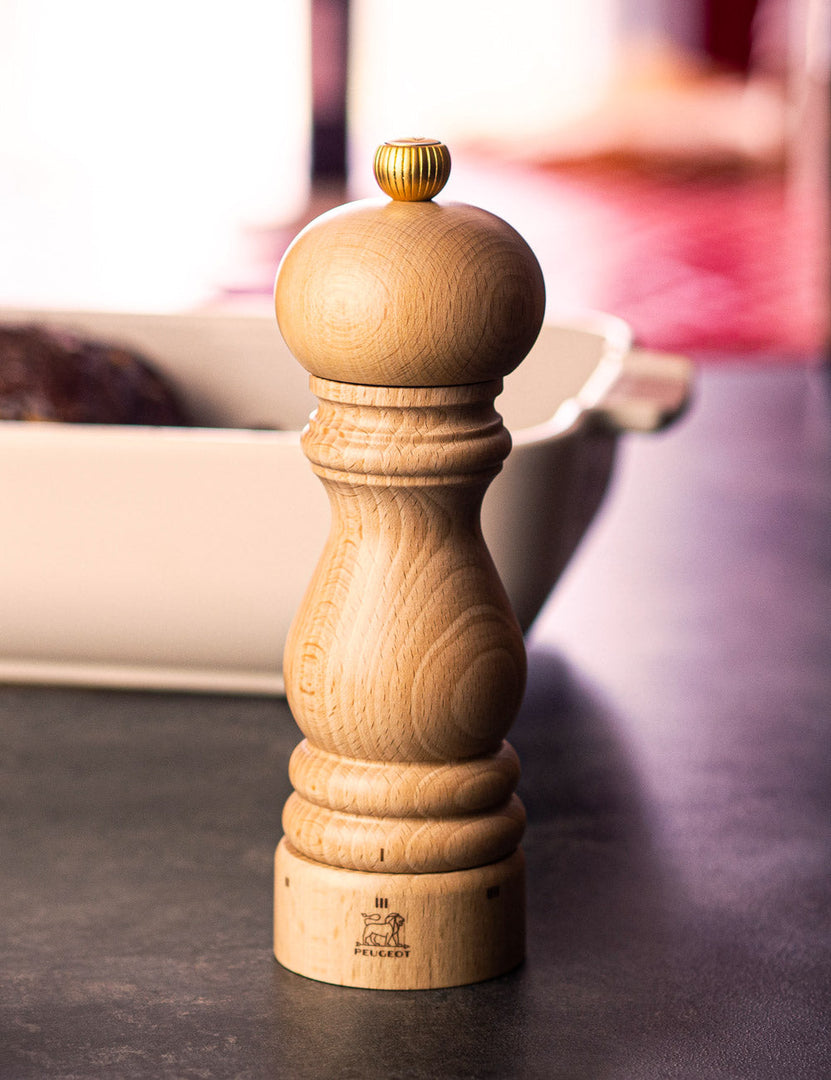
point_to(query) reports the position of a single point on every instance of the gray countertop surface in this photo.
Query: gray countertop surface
(676, 745)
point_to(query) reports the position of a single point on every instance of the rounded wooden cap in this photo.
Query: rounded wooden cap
(409, 292)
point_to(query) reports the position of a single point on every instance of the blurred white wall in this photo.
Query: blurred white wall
(477, 69)
(137, 138)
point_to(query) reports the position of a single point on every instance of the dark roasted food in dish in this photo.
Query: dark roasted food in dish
(47, 373)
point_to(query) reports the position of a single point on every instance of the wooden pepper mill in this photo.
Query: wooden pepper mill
(400, 867)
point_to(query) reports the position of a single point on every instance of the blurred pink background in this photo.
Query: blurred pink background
(666, 161)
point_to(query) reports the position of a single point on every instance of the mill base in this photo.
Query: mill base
(398, 931)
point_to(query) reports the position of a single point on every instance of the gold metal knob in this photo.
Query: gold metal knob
(412, 170)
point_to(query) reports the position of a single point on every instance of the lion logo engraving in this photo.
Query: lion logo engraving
(383, 932)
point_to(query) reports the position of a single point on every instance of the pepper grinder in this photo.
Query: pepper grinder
(400, 867)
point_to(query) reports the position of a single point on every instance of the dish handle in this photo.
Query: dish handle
(651, 391)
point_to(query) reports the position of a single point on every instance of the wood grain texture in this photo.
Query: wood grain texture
(405, 648)
(409, 294)
(405, 664)
(404, 668)
(395, 931)
(403, 845)
(402, 789)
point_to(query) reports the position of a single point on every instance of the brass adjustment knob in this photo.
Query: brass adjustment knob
(412, 170)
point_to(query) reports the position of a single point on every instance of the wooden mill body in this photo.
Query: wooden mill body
(405, 666)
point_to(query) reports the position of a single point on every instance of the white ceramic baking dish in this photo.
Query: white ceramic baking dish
(175, 558)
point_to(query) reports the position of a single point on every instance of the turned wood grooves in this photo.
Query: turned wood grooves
(405, 664)
(405, 652)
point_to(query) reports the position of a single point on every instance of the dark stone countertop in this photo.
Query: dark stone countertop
(676, 744)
